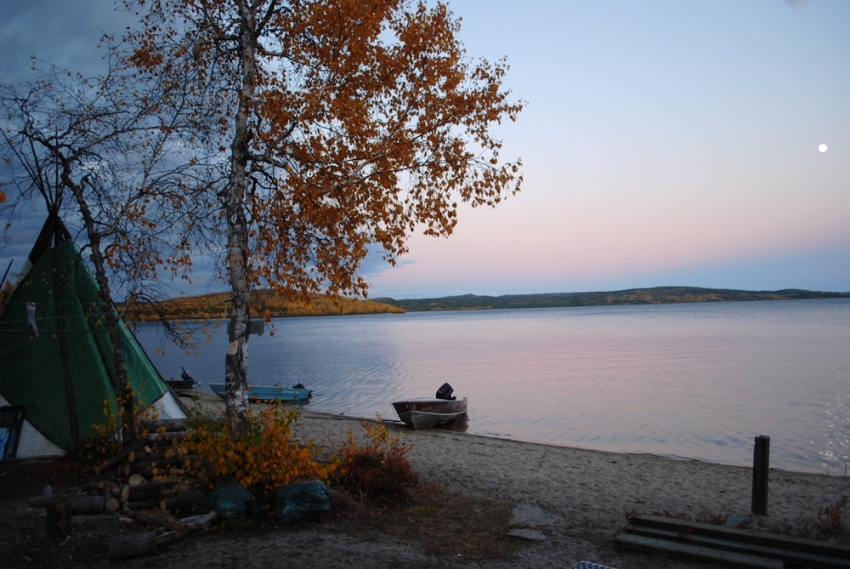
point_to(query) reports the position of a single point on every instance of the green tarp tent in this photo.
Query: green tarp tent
(63, 377)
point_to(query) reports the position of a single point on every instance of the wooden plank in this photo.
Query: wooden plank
(728, 558)
(802, 558)
(748, 536)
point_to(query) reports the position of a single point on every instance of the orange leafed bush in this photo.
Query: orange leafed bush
(261, 456)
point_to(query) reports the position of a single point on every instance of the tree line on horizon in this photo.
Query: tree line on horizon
(655, 295)
(265, 303)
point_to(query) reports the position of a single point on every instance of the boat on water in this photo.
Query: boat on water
(424, 413)
(268, 394)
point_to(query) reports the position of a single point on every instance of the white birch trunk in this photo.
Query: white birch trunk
(236, 360)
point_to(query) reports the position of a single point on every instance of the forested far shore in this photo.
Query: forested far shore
(264, 304)
(656, 295)
(267, 303)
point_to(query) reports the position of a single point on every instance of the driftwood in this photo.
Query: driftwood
(200, 522)
(137, 545)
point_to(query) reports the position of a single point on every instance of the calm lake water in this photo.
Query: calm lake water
(696, 381)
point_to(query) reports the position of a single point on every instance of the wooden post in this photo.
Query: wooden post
(59, 519)
(761, 462)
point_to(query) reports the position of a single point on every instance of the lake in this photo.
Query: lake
(696, 381)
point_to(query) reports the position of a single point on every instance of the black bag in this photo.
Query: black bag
(445, 392)
(301, 501)
(232, 501)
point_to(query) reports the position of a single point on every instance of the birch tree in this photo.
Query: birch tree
(344, 124)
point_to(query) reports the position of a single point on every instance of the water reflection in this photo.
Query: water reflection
(697, 381)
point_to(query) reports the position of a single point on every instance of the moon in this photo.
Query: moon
(822, 147)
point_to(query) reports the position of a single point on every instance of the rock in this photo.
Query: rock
(527, 534)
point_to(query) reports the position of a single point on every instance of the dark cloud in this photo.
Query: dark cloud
(59, 32)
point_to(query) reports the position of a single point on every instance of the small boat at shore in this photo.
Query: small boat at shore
(424, 413)
(268, 394)
(184, 385)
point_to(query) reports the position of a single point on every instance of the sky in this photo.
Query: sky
(664, 142)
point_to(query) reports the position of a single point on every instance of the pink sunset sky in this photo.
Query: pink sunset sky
(664, 143)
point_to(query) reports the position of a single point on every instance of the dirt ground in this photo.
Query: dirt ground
(457, 517)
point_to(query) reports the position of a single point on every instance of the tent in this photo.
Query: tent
(58, 366)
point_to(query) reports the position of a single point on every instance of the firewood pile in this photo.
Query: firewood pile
(145, 482)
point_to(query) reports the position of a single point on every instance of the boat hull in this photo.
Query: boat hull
(426, 413)
(263, 394)
(181, 385)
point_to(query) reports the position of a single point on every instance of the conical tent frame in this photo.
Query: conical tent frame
(64, 377)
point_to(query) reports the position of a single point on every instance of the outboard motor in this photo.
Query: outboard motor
(445, 392)
(186, 375)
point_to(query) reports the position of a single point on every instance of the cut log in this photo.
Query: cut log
(168, 425)
(119, 457)
(136, 479)
(137, 545)
(194, 500)
(138, 505)
(156, 517)
(144, 468)
(143, 455)
(111, 504)
(148, 490)
(168, 438)
(86, 505)
(81, 504)
(167, 537)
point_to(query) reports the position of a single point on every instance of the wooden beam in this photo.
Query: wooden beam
(801, 558)
(689, 551)
(762, 538)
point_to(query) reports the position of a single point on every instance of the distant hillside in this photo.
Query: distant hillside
(263, 303)
(657, 295)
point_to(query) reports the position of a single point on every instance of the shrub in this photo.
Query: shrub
(260, 456)
(375, 467)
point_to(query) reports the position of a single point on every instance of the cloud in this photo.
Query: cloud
(59, 32)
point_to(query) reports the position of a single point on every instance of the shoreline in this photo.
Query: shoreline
(593, 488)
(210, 402)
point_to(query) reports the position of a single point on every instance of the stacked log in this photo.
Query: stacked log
(144, 482)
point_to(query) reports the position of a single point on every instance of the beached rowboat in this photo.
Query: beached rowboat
(265, 394)
(426, 412)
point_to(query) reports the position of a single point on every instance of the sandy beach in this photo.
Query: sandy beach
(579, 500)
(587, 495)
